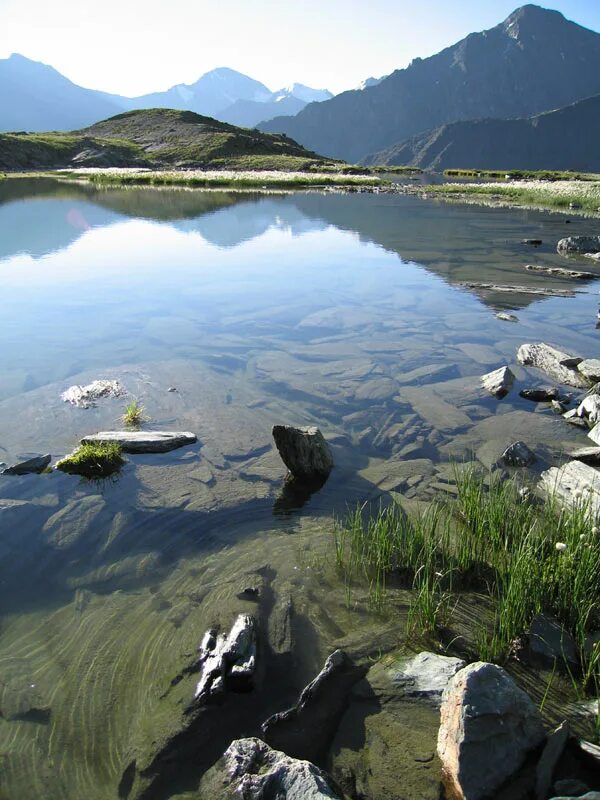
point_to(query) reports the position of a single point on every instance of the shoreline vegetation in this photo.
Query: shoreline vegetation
(547, 191)
(522, 557)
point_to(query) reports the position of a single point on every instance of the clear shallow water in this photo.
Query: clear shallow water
(344, 311)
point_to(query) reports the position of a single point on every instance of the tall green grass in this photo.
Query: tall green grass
(492, 541)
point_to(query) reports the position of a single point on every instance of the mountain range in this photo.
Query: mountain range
(35, 97)
(567, 139)
(534, 61)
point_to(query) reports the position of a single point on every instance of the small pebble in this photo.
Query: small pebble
(171, 389)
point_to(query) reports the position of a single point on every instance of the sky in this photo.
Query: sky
(132, 47)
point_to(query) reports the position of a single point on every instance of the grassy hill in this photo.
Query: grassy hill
(155, 138)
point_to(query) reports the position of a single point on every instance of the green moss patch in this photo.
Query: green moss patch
(93, 461)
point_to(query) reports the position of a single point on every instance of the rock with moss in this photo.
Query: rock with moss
(93, 460)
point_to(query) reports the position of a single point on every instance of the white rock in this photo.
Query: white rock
(590, 369)
(572, 484)
(253, 771)
(499, 382)
(86, 396)
(589, 408)
(553, 362)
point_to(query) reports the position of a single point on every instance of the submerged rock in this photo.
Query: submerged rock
(499, 382)
(579, 244)
(37, 464)
(426, 675)
(144, 441)
(518, 455)
(304, 451)
(548, 640)
(86, 396)
(553, 362)
(306, 729)
(250, 769)
(488, 726)
(540, 394)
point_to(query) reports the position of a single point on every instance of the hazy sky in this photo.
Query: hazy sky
(136, 46)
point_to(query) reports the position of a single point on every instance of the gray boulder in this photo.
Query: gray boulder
(487, 727)
(540, 394)
(573, 483)
(144, 441)
(579, 244)
(425, 676)
(518, 455)
(553, 362)
(251, 770)
(304, 451)
(555, 746)
(590, 369)
(499, 382)
(37, 464)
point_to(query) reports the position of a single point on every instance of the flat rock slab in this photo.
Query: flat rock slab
(144, 441)
(589, 455)
(37, 464)
(499, 382)
(425, 676)
(561, 272)
(505, 289)
(553, 362)
(573, 483)
(579, 244)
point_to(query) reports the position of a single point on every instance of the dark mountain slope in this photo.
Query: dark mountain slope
(534, 61)
(568, 139)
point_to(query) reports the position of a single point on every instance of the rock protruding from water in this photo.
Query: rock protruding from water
(518, 455)
(499, 382)
(227, 661)
(589, 409)
(86, 396)
(540, 394)
(553, 362)
(304, 451)
(144, 441)
(37, 464)
(488, 726)
(562, 272)
(250, 769)
(574, 483)
(506, 317)
(579, 244)
(590, 369)
(589, 455)
(426, 675)
(306, 729)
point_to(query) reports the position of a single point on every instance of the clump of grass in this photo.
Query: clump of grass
(93, 460)
(134, 415)
(524, 557)
(522, 174)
